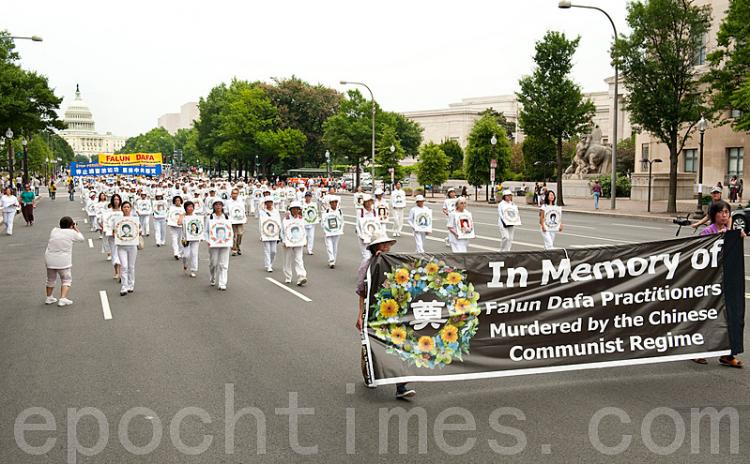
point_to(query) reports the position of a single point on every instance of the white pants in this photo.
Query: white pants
(218, 265)
(310, 233)
(113, 249)
(8, 220)
(127, 255)
(145, 224)
(398, 220)
(363, 249)
(93, 223)
(105, 244)
(458, 245)
(269, 254)
(160, 231)
(190, 256)
(332, 247)
(506, 237)
(549, 240)
(293, 255)
(419, 238)
(175, 234)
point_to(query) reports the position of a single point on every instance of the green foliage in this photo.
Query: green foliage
(458, 174)
(510, 127)
(622, 184)
(455, 153)
(626, 155)
(304, 107)
(553, 105)
(656, 61)
(60, 148)
(538, 157)
(186, 140)
(730, 65)
(157, 140)
(384, 158)
(433, 165)
(479, 151)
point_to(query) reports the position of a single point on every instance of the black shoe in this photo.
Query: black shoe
(123, 293)
(131, 291)
(403, 392)
(239, 252)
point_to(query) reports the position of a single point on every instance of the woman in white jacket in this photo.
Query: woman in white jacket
(9, 204)
(59, 260)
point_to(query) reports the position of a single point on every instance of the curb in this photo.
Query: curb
(601, 213)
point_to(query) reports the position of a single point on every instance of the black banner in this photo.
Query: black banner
(480, 315)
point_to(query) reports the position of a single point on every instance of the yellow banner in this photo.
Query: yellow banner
(126, 159)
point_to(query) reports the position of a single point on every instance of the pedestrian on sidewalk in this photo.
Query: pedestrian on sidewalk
(71, 189)
(10, 206)
(36, 183)
(715, 198)
(52, 189)
(596, 190)
(28, 204)
(59, 260)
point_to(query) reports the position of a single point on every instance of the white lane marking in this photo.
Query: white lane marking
(293, 292)
(747, 278)
(105, 305)
(537, 230)
(85, 221)
(637, 227)
(747, 295)
(91, 244)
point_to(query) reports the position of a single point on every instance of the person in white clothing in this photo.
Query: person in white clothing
(333, 237)
(458, 245)
(218, 256)
(367, 211)
(270, 240)
(293, 254)
(9, 205)
(398, 204)
(310, 223)
(238, 216)
(548, 236)
(144, 210)
(419, 236)
(506, 208)
(114, 213)
(59, 260)
(175, 230)
(449, 205)
(127, 254)
(191, 242)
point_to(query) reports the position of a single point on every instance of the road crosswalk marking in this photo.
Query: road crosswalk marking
(105, 305)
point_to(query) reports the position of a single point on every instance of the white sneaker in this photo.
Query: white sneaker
(222, 288)
(50, 300)
(192, 274)
(287, 281)
(109, 258)
(302, 282)
(64, 302)
(269, 269)
(213, 281)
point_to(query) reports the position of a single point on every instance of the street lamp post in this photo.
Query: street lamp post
(25, 144)
(328, 164)
(372, 98)
(493, 165)
(565, 4)
(33, 38)
(391, 169)
(650, 165)
(702, 126)
(11, 155)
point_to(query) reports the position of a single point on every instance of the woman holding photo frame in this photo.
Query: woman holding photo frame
(550, 219)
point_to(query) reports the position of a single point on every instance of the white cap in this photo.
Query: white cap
(507, 192)
(380, 237)
(419, 198)
(295, 204)
(332, 198)
(378, 191)
(366, 197)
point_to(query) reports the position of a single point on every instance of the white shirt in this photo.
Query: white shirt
(8, 203)
(59, 253)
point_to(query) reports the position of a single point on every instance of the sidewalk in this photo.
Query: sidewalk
(625, 207)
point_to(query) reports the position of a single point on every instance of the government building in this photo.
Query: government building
(173, 122)
(80, 132)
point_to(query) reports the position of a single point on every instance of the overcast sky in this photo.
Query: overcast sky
(137, 60)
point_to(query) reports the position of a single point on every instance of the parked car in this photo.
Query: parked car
(741, 219)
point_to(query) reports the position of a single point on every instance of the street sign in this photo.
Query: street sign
(493, 163)
(492, 175)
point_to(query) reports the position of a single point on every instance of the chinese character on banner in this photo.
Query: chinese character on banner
(427, 312)
(110, 171)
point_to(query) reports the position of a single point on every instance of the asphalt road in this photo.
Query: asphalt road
(177, 343)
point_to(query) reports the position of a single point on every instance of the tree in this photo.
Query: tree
(479, 151)
(730, 66)
(186, 140)
(348, 132)
(626, 156)
(553, 105)
(455, 154)
(538, 157)
(304, 107)
(510, 127)
(60, 148)
(433, 166)
(657, 63)
(157, 140)
(408, 132)
(386, 159)
(27, 103)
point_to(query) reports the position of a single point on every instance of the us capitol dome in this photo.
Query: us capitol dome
(81, 134)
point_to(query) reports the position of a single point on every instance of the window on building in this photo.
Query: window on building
(736, 161)
(699, 56)
(644, 151)
(691, 159)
